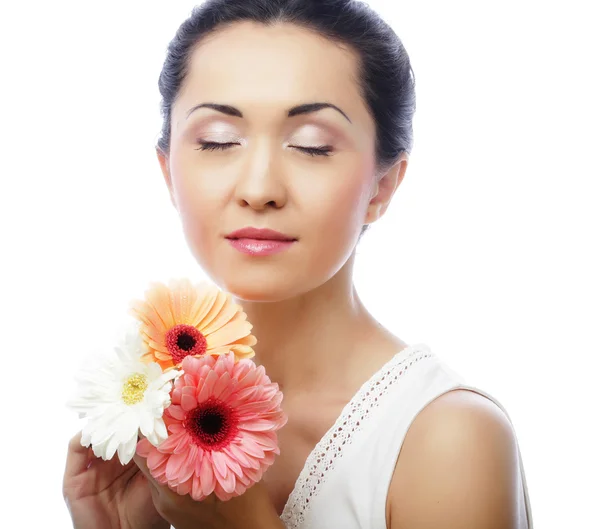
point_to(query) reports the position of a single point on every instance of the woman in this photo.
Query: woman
(295, 117)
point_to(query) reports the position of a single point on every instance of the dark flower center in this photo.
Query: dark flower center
(212, 425)
(184, 340)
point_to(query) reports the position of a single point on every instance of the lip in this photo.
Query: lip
(260, 246)
(261, 234)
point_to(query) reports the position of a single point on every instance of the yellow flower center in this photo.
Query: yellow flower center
(134, 388)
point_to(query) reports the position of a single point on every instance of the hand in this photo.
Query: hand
(105, 494)
(251, 510)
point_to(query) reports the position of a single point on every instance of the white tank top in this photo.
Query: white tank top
(345, 480)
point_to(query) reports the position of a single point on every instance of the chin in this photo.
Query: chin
(274, 281)
(269, 291)
(269, 284)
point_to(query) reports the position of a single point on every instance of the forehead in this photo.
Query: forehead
(265, 68)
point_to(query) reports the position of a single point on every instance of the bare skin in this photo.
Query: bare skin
(106, 494)
(315, 398)
(315, 336)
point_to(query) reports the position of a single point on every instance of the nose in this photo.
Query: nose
(260, 184)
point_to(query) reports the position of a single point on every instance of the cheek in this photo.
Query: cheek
(333, 216)
(340, 209)
(199, 206)
(346, 212)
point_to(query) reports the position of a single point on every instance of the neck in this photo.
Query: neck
(313, 340)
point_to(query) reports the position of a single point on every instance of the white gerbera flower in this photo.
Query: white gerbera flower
(121, 396)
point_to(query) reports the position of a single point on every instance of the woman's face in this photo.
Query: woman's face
(263, 178)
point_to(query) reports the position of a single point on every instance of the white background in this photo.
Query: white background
(489, 253)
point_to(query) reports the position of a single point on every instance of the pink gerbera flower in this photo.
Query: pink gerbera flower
(222, 426)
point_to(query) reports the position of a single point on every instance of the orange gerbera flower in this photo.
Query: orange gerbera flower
(182, 320)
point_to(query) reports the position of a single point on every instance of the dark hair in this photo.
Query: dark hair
(387, 81)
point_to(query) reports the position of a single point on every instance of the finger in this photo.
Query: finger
(78, 457)
(157, 489)
(140, 462)
(143, 466)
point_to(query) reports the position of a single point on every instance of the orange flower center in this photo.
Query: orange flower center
(212, 425)
(184, 340)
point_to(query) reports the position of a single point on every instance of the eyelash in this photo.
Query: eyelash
(324, 150)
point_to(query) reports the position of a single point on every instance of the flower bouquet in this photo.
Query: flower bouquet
(183, 378)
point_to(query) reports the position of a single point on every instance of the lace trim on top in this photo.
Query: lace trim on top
(323, 457)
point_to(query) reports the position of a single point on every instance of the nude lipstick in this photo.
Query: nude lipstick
(257, 242)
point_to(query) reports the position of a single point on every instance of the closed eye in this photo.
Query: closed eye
(323, 150)
(212, 146)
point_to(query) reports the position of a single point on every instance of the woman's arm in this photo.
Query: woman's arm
(458, 468)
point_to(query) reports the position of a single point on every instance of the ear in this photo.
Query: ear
(384, 188)
(163, 160)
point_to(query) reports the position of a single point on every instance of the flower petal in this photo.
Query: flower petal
(158, 297)
(216, 305)
(207, 476)
(206, 295)
(181, 296)
(228, 334)
(176, 412)
(221, 385)
(188, 402)
(126, 451)
(168, 445)
(227, 312)
(207, 387)
(196, 493)
(143, 448)
(146, 423)
(176, 466)
(256, 425)
(155, 459)
(184, 487)
(219, 463)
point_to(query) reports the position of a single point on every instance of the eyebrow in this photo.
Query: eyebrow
(294, 111)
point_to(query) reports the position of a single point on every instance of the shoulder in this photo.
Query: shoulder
(458, 467)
